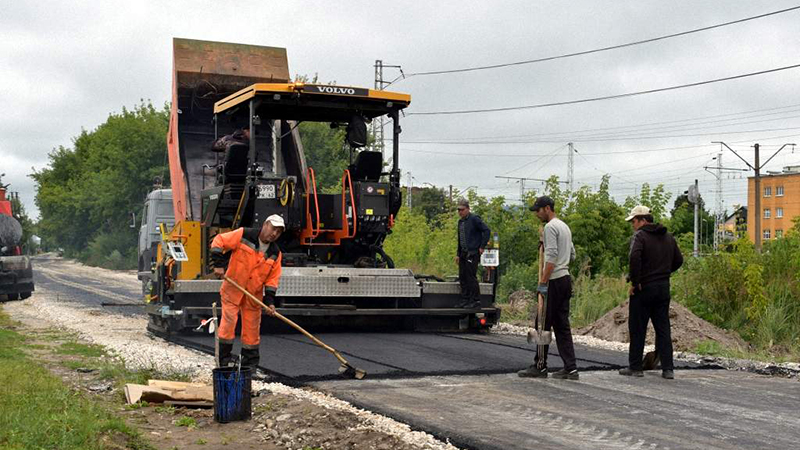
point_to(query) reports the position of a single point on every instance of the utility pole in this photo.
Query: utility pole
(451, 195)
(757, 214)
(571, 168)
(408, 191)
(696, 252)
(718, 214)
(379, 122)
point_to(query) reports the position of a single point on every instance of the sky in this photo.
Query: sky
(65, 66)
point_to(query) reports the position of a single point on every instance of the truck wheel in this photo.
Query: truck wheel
(14, 296)
(24, 295)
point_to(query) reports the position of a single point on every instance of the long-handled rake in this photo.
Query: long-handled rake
(345, 369)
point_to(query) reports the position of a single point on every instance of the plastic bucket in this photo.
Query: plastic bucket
(232, 388)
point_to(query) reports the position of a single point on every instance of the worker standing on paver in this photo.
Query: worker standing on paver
(654, 255)
(253, 261)
(556, 286)
(473, 235)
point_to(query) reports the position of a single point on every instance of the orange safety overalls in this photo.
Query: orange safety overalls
(252, 269)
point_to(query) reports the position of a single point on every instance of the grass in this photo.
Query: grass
(79, 349)
(37, 410)
(186, 421)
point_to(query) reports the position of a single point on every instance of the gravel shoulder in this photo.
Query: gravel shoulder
(283, 416)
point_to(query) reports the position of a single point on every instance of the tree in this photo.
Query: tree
(599, 231)
(325, 153)
(655, 199)
(430, 201)
(682, 219)
(88, 191)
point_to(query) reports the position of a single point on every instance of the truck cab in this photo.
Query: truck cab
(157, 210)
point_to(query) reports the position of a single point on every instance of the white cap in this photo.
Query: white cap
(638, 211)
(276, 221)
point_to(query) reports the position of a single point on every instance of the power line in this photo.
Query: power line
(607, 97)
(602, 49)
(608, 137)
(696, 120)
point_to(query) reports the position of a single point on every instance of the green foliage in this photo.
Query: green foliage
(90, 189)
(756, 295)
(430, 201)
(186, 421)
(325, 153)
(681, 221)
(654, 198)
(599, 231)
(38, 411)
(593, 297)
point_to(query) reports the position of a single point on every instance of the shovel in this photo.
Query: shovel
(346, 370)
(538, 335)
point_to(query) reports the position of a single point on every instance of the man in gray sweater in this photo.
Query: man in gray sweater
(556, 286)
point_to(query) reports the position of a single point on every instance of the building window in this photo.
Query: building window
(767, 213)
(778, 234)
(766, 234)
(779, 191)
(768, 191)
(778, 213)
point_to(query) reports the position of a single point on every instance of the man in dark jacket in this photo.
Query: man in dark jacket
(473, 235)
(654, 255)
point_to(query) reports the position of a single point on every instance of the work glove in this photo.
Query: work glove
(542, 289)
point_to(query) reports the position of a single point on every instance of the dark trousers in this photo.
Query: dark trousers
(650, 304)
(468, 276)
(559, 293)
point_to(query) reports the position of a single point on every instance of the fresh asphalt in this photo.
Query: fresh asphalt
(463, 387)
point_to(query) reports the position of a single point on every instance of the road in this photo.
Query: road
(463, 388)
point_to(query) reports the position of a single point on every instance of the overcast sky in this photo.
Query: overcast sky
(65, 66)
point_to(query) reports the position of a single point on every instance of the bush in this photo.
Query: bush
(112, 250)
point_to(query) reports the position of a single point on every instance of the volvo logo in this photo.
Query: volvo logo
(339, 90)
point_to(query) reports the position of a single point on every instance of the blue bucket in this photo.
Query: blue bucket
(232, 388)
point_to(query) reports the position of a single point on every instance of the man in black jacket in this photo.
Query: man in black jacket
(473, 235)
(654, 255)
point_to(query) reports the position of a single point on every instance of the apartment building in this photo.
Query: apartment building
(780, 203)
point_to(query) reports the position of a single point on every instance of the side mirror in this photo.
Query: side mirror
(133, 220)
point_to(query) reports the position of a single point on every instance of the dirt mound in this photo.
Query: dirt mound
(687, 329)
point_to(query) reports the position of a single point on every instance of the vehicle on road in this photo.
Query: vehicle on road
(16, 271)
(335, 270)
(157, 210)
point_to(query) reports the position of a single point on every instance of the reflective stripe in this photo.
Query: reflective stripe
(216, 250)
(272, 289)
(248, 243)
(250, 347)
(225, 341)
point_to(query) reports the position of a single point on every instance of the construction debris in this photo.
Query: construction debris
(161, 391)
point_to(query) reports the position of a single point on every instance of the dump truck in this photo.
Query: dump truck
(16, 271)
(335, 271)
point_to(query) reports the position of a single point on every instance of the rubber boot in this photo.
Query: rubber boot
(250, 358)
(225, 354)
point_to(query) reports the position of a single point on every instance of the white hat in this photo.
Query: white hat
(276, 221)
(638, 211)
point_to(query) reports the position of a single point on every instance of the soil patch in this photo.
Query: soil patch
(687, 329)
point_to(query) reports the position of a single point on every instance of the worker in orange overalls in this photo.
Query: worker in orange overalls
(253, 261)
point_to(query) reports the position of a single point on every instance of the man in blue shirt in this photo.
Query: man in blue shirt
(473, 235)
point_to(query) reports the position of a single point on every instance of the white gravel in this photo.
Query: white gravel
(126, 337)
